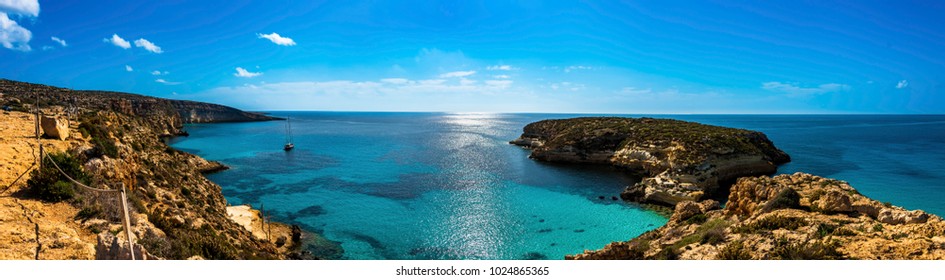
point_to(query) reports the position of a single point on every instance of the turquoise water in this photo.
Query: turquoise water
(448, 186)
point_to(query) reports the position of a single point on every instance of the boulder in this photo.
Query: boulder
(55, 127)
(833, 202)
(896, 217)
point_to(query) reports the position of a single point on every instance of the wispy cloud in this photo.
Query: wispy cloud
(501, 76)
(167, 82)
(242, 73)
(118, 41)
(902, 84)
(396, 81)
(277, 39)
(128, 68)
(159, 73)
(797, 91)
(577, 67)
(501, 67)
(147, 45)
(457, 74)
(60, 41)
(567, 86)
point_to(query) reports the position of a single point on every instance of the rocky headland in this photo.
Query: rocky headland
(109, 139)
(799, 216)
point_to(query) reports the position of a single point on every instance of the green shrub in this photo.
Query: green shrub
(773, 222)
(787, 198)
(88, 213)
(95, 127)
(808, 250)
(696, 219)
(734, 251)
(48, 184)
(823, 230)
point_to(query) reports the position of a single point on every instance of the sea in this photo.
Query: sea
(388, 185)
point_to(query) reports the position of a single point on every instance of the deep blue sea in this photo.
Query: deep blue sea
(448, 186)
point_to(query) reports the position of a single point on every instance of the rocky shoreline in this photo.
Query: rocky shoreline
(799, 216)
(115, 139)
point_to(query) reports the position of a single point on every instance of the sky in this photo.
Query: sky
(631, 57)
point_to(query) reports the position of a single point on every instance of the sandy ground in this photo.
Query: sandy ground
(29, 226)
(251, 219)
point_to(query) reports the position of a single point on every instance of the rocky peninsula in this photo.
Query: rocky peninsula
(109, 139)
(799, 216)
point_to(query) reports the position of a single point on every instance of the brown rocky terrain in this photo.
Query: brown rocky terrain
(797, 216)
(678, 160)
(176, 213)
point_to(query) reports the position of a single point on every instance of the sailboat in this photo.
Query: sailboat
(288, 136)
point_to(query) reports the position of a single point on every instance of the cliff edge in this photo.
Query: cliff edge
(678, 160)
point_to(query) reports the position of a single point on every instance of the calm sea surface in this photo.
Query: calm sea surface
(448, 186)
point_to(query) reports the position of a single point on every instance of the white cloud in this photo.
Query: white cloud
(22, 7)
(60, 41)
(151, 47)
(457, 74)
(128, 68)
(159, 73)
(12, 35)
(167, 82)
(501, 67)
(277, 39)
(46, 48)
(902, 84)
(567, 86)
(501, 76)
(118, 41)
(797, 91)
(634, 91)
(240, 72)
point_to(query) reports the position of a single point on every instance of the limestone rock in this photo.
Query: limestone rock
(897, 216)
(834, 202)
(55, 127)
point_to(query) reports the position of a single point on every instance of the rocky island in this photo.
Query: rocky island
(110, 139)
(677, 160)
(799, 216)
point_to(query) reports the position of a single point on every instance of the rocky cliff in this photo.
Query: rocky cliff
(678, 160)
(797, 216)
(115, 140)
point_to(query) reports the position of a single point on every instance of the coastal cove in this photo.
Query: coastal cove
(448, 186)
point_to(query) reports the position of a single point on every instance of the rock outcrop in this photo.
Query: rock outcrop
(678, 160)
(55, 127)
(797, 216)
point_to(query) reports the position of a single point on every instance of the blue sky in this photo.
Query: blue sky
(495, 56)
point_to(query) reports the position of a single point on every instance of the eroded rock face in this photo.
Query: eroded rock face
(55, 127)
(832, 221)
(679, 161)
